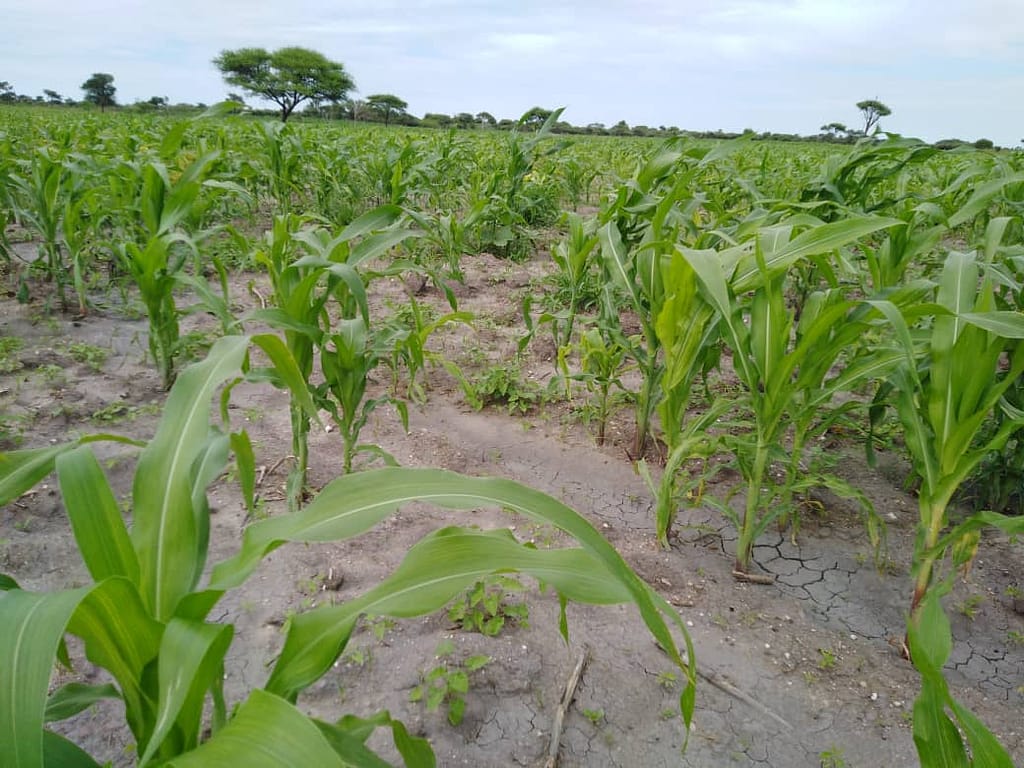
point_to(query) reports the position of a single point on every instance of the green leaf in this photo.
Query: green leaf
(100, 532)
(421, 585)
(72, 698)
(266, 732)
(246, 461)
(191, 660)
(1004, 323)
(929, 635)
(935, 735)
(986, 751)
(61, 753)
(167, 539)
(33, 627)
(123, 638)
(812, 242)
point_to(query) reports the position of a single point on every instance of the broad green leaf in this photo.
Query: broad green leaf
(165, 535)
(812, 242)
(121, 637)
(266, 732)
(59, 752)
(929, 635)
(1004, 323)
(95, 516)
(352, 730)
(986, 751)
(72, 698)
(372, 221)
(935, 735)
(191, 661)
(419, 586)
(33, 628)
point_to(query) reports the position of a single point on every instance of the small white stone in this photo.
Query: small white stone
(874, 696)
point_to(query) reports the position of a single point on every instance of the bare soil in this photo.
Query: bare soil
(794, 672)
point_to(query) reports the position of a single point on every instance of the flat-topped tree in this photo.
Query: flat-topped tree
(873, 111)
(99, 89)
(287, 76)
(386, 105)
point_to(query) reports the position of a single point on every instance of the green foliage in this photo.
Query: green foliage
(287, 76)
(503, 384)
(10, 361)
(88, 354)
(448, 683)
(144, 618)
(486, 609)
(99, 90)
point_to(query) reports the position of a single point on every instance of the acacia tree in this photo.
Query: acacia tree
(386, 105)
(99, 89)
(52, 96)
(287, 77)
(873, 111)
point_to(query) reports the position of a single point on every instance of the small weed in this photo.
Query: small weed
(503, 384)
(252, 413)
(667, 680)
(828, 659)
(1014, 591)
(9, 349)
(89, 354)
(448, 682)
(358, 657)
(117, 412)
(380, 626)
(595, 716)
(969, 607)
(1015, 637)
(832, 758)
(52, 374)
(810, 677)
(483, 608)
(668, 713)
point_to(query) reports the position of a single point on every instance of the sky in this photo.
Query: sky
(946, 68)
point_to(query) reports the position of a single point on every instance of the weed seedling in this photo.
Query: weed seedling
(448, 682)
(485, 609)
(89, 354)
(969, 607)
(595, 716)
(828, 659)
(832, 758)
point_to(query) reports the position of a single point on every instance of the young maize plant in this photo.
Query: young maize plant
(145, 615)
(767, 358)
(950, 382)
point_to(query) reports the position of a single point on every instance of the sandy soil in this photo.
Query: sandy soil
(793, 672)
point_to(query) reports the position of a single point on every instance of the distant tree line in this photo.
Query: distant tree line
(295, 76)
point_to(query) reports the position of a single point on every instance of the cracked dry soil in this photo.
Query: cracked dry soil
(792, 672)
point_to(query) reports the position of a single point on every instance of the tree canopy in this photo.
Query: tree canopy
(287, 76)
(386, 105)
(873, 111)
(99, 90)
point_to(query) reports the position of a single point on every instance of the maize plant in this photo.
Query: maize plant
(949, 384)
(775, 367)
(144, 616)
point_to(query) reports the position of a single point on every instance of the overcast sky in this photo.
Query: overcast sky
(947, 68)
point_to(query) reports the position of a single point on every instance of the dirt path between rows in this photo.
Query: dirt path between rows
(795, 674)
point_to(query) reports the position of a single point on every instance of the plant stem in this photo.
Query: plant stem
(745, 542)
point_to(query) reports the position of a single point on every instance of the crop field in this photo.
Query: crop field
(335, 444)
